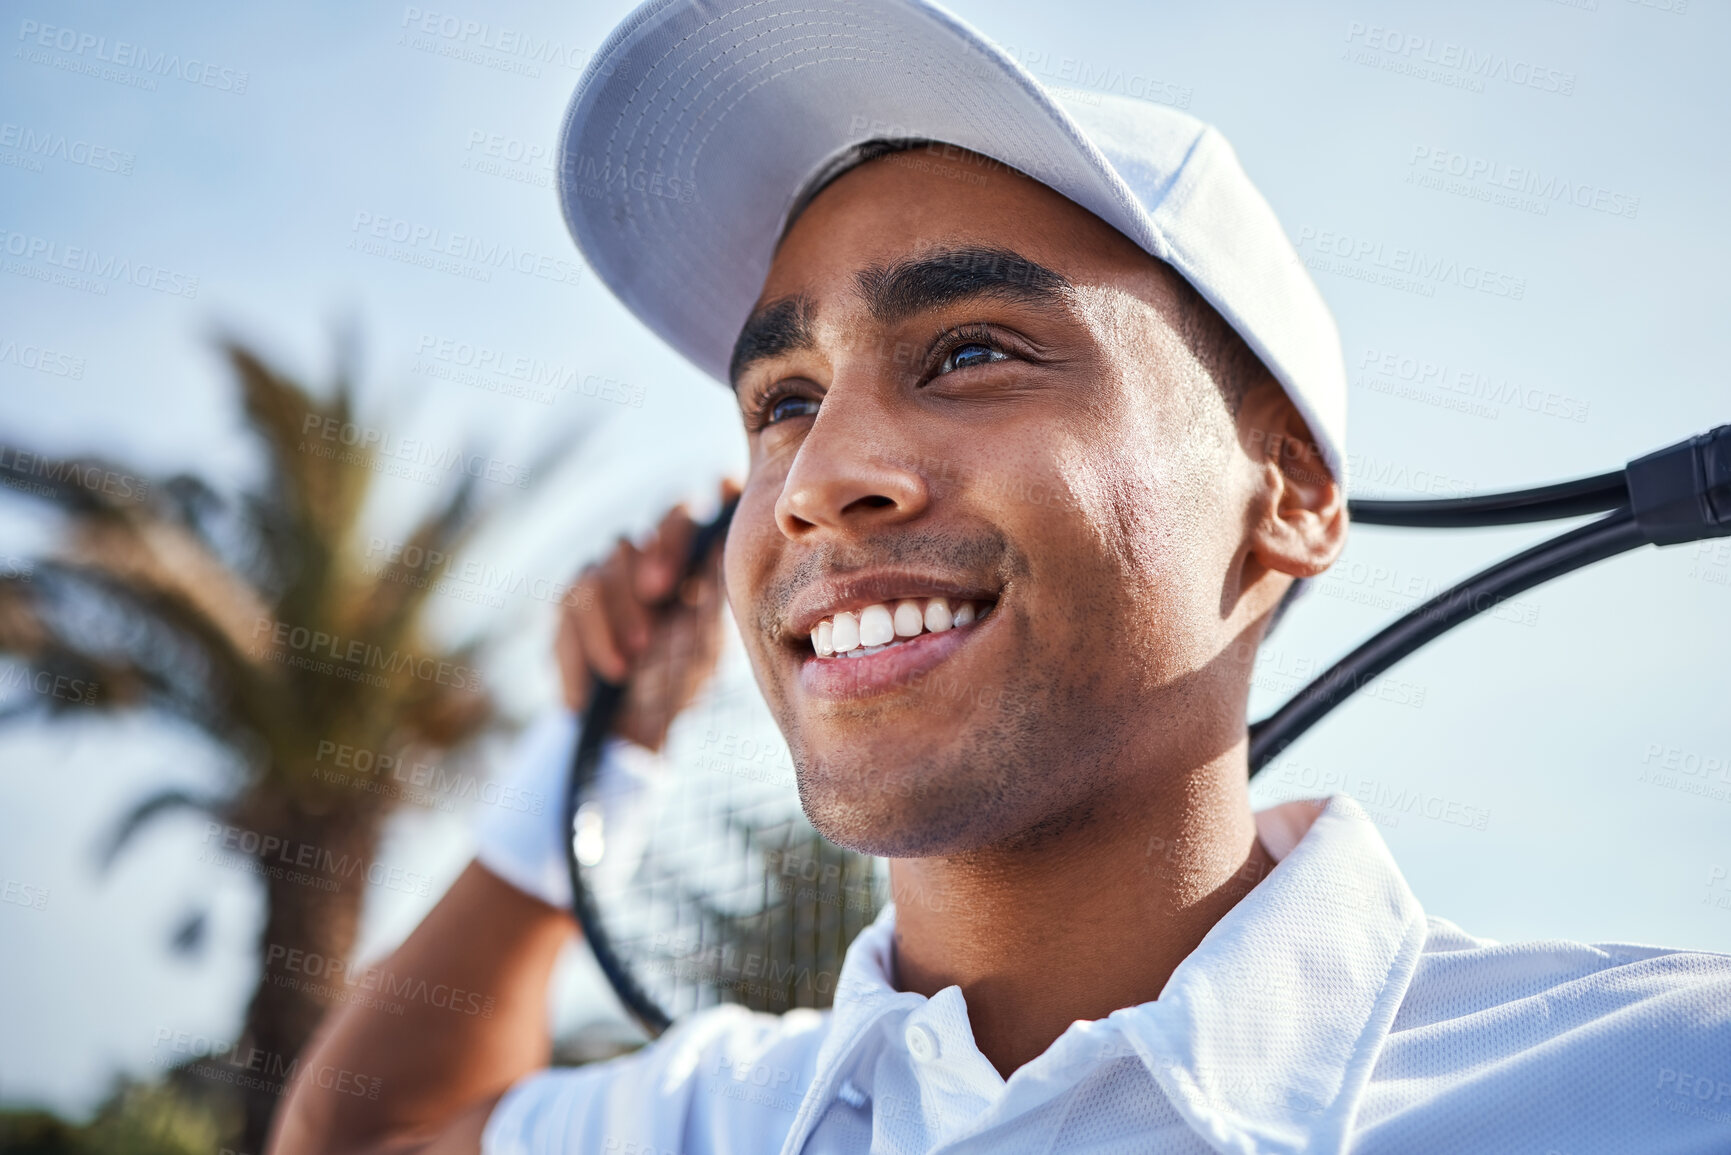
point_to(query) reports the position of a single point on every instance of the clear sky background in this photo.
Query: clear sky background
(1553, 745)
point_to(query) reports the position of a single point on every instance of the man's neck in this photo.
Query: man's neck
(1084, 922)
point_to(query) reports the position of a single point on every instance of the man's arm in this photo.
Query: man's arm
(440, 1071)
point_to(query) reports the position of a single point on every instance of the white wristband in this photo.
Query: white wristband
(526, 846)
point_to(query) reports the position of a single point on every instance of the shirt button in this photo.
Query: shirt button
(922, 1043)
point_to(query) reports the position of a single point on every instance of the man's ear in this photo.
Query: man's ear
(1298, 512)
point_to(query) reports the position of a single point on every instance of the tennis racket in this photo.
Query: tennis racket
(711, 885)
(715, 888)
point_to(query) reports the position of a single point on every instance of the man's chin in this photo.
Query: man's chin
(903, 779)
(890, 807)
(886, 833)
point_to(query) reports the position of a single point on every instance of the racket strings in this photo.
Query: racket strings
(736, 897)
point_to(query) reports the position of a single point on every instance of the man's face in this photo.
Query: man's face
(959, 384)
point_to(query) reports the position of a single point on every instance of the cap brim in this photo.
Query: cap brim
(693, 132)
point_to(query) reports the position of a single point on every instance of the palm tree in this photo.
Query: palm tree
(256, 619)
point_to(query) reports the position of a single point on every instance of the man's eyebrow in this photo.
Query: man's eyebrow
(947, 276)
(895, 292)
(779, 327)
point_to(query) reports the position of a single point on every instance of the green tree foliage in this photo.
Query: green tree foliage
(258, 620)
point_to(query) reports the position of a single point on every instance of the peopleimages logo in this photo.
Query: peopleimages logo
(47, 683)
(303, 862)
(459, 34)
(45, 145)
(597, 176)
(23, 894)
(1516, 186)
(469, 579)
(21, 466)
(41, 359)
(424, 244)
(540, 377)
(81, 259)
(353, 657)
(1386, 476)
(1445, 62)
(1364, 258)
(342, 981)
(1097, 77)
(1388, 371)
(253, 1067)
(426, 781)
(83, 47)
(362, 440)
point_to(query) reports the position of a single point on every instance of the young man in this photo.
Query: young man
(1061, 369)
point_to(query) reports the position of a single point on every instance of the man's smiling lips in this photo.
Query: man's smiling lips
(868, 633)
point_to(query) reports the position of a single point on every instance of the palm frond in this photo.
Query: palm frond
(318, 484)
(399, 590)
(150, 645)
(167, 560)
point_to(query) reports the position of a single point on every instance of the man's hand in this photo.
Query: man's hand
(634, 618)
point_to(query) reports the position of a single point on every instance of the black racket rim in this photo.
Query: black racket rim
(605, 702)
(1606, 537)
(598, 719)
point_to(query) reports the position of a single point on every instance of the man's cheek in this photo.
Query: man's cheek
(748, 560)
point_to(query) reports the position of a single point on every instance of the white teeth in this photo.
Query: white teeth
(845, 635)
(858, 633)
(875, 626)
(938, 615)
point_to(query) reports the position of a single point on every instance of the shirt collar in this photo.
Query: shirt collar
(1265, 1036)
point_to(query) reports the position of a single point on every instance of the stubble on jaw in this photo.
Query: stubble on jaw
(1012, 764)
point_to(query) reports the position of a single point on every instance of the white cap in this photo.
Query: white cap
(700, 123)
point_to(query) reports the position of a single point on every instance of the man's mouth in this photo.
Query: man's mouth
(880, 626)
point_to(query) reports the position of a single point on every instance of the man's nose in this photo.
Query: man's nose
(856, 469)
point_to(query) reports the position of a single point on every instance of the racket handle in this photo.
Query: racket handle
(710, 532)
(605, 700)
(607, 697)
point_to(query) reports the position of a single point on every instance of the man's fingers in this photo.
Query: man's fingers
(637, 618)
(662, 562)
(575, 683)
(599, 649)
(702, 590)
(606, 620)
(573, 670)
(631, 621)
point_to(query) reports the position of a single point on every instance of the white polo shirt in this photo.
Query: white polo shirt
(1324, 1013)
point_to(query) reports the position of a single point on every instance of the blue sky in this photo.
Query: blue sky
(232, 163)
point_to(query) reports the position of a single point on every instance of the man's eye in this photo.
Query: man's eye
(788, 408)
(971, 354)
